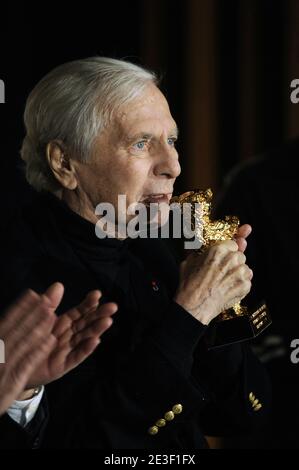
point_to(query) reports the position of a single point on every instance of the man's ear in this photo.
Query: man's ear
(61, 165)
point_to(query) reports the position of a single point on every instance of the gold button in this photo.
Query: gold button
(153, 430)
(258, 407)
(169, 416)
(161, 423)
(177, 409)
(251, 396)
(255, 402)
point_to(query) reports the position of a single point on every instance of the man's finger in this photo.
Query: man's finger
(30, 332)
(54, 294)
(110, 308)
(95, 329)
(23, 306)
(106, 310)
(244, 231)
(75, 314)
(35, 358)
(81, 352)
(242, 243)
(90, 302)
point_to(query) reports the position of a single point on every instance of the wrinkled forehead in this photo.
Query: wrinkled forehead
(150, 110)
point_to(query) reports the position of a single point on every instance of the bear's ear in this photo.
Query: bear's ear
(208, 194)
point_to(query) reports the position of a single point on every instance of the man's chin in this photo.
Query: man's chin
(147, 222)
(139, 220)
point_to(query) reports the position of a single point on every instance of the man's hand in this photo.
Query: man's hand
(215, 280)
(77, 333)
(40, 347)
(243, 232)
(26, 332)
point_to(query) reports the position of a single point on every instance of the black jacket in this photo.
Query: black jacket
(14, 436)
(263, 192)
(152, 358)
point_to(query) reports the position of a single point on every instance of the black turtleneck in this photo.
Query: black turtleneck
(105, 259)
(152, 358)
(128, 272)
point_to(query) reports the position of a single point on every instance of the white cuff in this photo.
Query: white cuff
(22, 412)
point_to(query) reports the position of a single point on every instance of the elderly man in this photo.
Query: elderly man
(96, 129)
(40, 347)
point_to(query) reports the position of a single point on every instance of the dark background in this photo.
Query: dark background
(227, 68)
(226, 65)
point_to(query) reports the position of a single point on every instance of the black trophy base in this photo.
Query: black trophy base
(237, 329)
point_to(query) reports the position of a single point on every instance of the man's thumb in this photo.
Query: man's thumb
(54, 294)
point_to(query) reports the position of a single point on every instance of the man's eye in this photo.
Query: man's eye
(172, 141)
(140, 145)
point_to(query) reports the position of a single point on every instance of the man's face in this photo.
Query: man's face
(135, 155)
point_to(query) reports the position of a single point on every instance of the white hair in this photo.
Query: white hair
(72, 104)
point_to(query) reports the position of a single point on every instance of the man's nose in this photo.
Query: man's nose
(168, 164)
